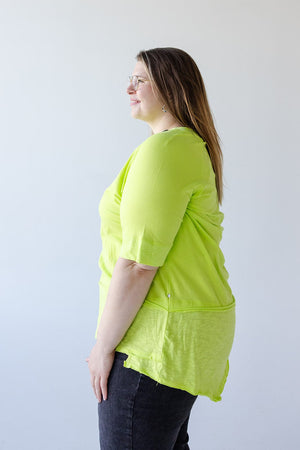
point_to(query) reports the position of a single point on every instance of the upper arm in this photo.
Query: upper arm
(153, 204)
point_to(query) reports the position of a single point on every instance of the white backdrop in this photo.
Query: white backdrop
(66, 130)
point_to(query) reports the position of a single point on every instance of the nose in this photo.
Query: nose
(130, 89)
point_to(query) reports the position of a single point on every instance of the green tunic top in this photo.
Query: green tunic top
(162, 210)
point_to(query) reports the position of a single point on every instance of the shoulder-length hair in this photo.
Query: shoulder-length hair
(178, 84)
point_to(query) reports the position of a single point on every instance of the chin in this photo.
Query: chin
(135, 115)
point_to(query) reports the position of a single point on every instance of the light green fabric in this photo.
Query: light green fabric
(162, 210)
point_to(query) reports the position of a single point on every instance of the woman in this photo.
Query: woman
(167, 314)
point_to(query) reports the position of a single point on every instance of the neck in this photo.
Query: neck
(167, 123)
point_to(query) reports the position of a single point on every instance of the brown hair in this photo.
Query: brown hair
(178, 83)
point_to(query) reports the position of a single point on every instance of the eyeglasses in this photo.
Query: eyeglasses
(135, 81)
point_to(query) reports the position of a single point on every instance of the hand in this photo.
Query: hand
(100, 364)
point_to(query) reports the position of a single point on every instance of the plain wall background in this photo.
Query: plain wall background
(66, 131)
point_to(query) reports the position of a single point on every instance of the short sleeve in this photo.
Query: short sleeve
(154, 200)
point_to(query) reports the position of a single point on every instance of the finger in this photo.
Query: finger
(97, 389)
(92, 381)
(94, 389)
(104, 388)
(93, 384)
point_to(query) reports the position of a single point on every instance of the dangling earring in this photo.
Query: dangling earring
(163, 109)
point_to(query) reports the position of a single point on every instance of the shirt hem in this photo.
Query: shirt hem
(140, 363)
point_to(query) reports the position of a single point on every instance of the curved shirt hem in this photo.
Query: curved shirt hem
(144, 366)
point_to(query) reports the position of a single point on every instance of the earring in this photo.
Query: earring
(163, 109)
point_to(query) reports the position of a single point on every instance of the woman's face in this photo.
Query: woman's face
(143, 103)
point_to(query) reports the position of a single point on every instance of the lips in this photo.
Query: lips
(134, 102)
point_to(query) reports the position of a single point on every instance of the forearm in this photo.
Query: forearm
(127, 290)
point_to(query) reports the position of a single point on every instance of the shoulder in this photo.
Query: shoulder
(180, 146)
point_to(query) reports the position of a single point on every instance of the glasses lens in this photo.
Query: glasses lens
(133, 81)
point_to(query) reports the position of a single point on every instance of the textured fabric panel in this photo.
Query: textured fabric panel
(182, 349)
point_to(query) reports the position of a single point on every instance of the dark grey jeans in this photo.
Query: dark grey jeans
(141, 414)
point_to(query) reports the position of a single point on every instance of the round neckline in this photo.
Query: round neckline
(182, 130)
(175, 128)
